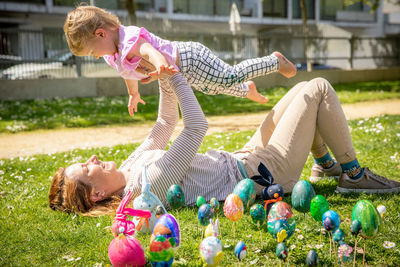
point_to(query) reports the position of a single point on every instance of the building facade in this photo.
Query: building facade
(266, 25)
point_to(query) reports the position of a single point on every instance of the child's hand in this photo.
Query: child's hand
(134, 99)
(163, 72)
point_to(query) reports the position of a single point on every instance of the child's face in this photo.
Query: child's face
(102, 44)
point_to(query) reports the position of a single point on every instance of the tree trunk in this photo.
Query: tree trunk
(131, 7)
(305, 33)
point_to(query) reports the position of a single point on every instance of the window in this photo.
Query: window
(310, 9)
(274, 8)
(330, 7)
(204, 7)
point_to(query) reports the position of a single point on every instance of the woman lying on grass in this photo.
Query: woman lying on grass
(308, 118)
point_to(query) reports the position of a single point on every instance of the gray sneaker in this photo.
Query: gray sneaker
(368, 183)
(317, 172)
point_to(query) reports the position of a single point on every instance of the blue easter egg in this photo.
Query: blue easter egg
(204, 214)
(240, 250)
(330, 220)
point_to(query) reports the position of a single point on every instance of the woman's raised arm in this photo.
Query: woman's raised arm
(179, 157)
(168, 117)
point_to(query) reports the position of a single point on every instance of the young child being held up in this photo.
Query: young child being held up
(92, 31)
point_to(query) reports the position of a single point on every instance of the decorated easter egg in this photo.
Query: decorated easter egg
(200, 201)
(257, 214)
(382, 210)
(318, 207)
(344, 253)
(214, 204)
(159, 211)
(312, 258)
(338, 235)
(280, 218)
(167, 226)
(240, 250)
(368, 216)
(302, 194)
(245, 189)
(125, 250)
(233, 207)
(204, 214)
(281, 251)
(161, 252)
(211, 251)
(330, 220)
(175, 197)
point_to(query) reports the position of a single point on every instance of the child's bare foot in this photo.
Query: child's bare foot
(286, 68)
(254, 95)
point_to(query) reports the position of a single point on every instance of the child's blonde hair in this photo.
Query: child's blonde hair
(82, 22)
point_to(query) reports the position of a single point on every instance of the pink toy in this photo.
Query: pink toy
(124, 249)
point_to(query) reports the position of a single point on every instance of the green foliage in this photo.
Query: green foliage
(17, 116)
(33, 235)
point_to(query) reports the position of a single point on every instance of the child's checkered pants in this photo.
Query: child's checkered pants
(207, 73)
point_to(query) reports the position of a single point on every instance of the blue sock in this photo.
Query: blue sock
(352, 169)
(325, 161)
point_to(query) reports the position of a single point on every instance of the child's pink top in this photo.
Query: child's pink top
(128, 38)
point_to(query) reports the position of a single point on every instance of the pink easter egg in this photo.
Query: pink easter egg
(233, 207)
(126, 251)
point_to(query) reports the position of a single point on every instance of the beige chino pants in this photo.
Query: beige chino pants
(308, 118)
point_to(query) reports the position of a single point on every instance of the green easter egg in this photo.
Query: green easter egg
(200, 201)
(175, 197)
(367, 214)
(302, 194)
(245, 189)
(318, 207)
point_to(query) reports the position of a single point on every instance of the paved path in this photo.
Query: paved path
(50, 141)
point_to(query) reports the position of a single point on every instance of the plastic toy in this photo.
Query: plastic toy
(125, 249)
(212, 229)
(211, 251)
(146, 201)
(272, 193)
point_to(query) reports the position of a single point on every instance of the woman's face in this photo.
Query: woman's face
(102, 176)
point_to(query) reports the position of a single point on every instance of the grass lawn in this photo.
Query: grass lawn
(33, 235)
(16, 116)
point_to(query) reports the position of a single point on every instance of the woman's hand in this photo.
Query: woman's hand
(134, 99)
